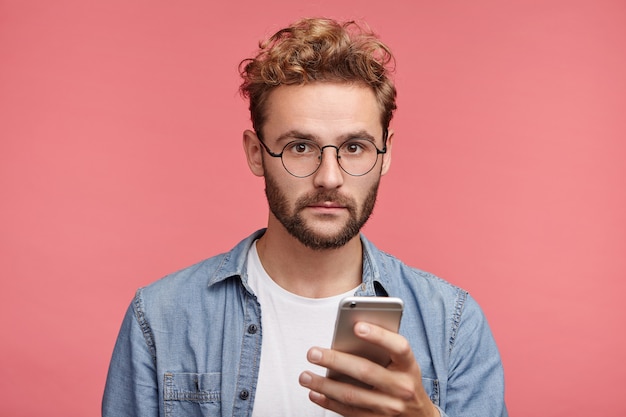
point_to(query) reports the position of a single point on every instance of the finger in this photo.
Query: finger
(340, 408)
(400, 385)
(405, 379)
(360, 369)
(347, 399)
(398, 347)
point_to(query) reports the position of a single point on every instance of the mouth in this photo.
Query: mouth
(327, 208)
(327, 205)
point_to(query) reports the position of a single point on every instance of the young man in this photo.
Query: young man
(247, 333)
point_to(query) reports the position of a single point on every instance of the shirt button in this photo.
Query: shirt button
(244, 394)
(252, 329)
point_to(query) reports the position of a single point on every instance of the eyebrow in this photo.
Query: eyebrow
(296, 134)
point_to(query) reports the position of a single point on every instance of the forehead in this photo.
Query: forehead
(324, 110)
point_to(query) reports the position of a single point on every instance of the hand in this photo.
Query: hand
(396, 390)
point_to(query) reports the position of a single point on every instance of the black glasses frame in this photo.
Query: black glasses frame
(280, 155)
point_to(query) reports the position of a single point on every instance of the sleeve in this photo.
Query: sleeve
(131, 386)
(476, 377)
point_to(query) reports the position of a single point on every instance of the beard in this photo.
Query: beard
(296, 225)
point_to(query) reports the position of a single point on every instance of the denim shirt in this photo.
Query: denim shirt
(190, 343)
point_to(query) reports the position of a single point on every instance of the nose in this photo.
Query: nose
(329, 174)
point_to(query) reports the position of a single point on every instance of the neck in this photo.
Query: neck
(308, 272)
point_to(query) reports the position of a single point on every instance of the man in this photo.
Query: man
(247, 333)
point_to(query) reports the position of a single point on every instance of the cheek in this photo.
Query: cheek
(369, 192)
(289, 187)
(292, 189)
(368, 186)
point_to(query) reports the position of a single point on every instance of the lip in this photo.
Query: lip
(327, 207)
(328, 204)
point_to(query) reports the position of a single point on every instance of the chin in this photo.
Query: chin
(325, 241)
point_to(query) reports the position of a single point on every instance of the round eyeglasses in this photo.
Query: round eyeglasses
(303, 157)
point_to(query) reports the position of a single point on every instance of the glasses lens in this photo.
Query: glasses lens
(358, 156)
(301, 157)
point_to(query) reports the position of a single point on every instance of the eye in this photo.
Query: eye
(301, 148)
(355, 147)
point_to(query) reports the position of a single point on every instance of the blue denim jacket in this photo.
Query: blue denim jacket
(190, 343)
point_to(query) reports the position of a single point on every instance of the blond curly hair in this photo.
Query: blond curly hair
(319, 49)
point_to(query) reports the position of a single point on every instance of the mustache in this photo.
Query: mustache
(323, 196)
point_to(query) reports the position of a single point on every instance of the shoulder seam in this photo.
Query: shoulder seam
(456, 317)
(143, 324)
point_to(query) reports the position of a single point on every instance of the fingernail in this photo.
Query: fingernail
(305, 378)
(315, 355)
(363, 329)
(315, 396)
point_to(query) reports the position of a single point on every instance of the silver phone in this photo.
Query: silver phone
(385, 312)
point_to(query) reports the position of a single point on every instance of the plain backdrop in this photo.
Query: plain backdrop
(121, 161)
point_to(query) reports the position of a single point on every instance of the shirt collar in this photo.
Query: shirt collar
(233, 264)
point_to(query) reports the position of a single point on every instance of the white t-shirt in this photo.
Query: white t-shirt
(290, 325)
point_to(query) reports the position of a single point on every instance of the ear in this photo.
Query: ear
(387, 155)
(254, 152)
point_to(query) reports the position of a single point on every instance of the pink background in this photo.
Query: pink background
(121, 161)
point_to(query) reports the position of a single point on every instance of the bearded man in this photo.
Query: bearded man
(247, 333)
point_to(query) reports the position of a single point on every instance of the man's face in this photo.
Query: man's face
(327, 209)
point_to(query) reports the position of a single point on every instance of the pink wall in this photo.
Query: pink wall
(120, 161)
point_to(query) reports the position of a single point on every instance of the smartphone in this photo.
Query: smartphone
(382, 311)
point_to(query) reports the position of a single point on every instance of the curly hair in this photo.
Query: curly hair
(323, 50)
